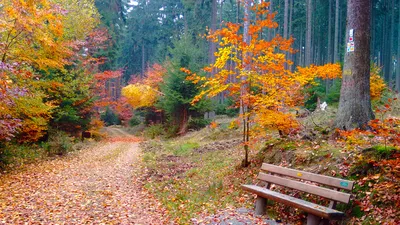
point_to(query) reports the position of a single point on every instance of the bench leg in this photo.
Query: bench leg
(313, 219)
(261, 205)
(324, 222)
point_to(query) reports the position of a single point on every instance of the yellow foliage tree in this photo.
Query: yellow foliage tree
(145, 91)
(377, 83)
(80, 17)
(139, 95)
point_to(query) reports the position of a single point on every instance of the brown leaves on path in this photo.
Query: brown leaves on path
(99, 185)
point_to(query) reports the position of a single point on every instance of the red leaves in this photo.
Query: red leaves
(106, 75)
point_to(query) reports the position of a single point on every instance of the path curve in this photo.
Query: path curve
(99, 185)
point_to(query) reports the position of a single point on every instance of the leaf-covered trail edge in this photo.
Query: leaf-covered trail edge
(98, 185)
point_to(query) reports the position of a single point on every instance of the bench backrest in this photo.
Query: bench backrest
(276, 173)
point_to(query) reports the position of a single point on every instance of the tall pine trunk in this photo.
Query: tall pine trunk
(213, 45)
(308, 46)
(336, 43)
(391, 47)
(143, 61)
(386, 44)
(329, 58)
(285, 20)
(286, 24)
(301, 57)
(398, 53)
(355, 100)
(330, 32)
(290, 29)
(271, 31)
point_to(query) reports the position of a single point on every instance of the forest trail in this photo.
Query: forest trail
(98, 185)
(116, 132)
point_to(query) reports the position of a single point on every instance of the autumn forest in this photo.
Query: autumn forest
(200, 112)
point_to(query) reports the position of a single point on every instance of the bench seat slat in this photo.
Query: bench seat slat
(308, 207)
(309, 188)
(321, 179)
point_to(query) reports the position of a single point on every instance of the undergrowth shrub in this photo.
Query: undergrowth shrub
(59, 143)
(153, 131)
(134, 121)
(198, 123)
(12, 155)
(172, 131)
(110, 117)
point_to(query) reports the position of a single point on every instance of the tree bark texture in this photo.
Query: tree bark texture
(308, 33)
(270, 31)
(391, 47)
(330, 32)
(290, 29)
(143, 61)
(336, 43)
(355, 100)
(285, 20)
(398, 54)
(213, 45)
(244, 86)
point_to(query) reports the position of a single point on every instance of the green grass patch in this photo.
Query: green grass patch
(185, 148)
(13, 155)
(384, 152)
(198, 190)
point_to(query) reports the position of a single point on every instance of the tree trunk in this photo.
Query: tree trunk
(330, 32)
(398, 53)
(308, 33)
(213, 45)
(301, 47)
(143, 61)
(244, 86)
(183, 120)
(355, 100)
(286, 24)
(285, 20)
(391, 48)
(386, 44)
(270, 31)
(336, 43)
(290, 30)
(329, 58)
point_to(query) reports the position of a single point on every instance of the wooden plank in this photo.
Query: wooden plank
(308, 207)
(309, 188)
(321, 179)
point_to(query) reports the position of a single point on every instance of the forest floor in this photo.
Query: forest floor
(98, 185)
(201, 176)
(193, 179)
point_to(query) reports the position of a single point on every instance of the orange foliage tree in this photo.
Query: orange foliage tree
(377, 84)
(271, 89)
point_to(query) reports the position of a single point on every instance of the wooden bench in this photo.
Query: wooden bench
(317, 214)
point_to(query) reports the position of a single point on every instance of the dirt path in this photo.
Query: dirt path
(116, 132)
(100, 185)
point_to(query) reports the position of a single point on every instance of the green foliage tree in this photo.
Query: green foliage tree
(110, 118)
(178, 92)
(71, 90)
